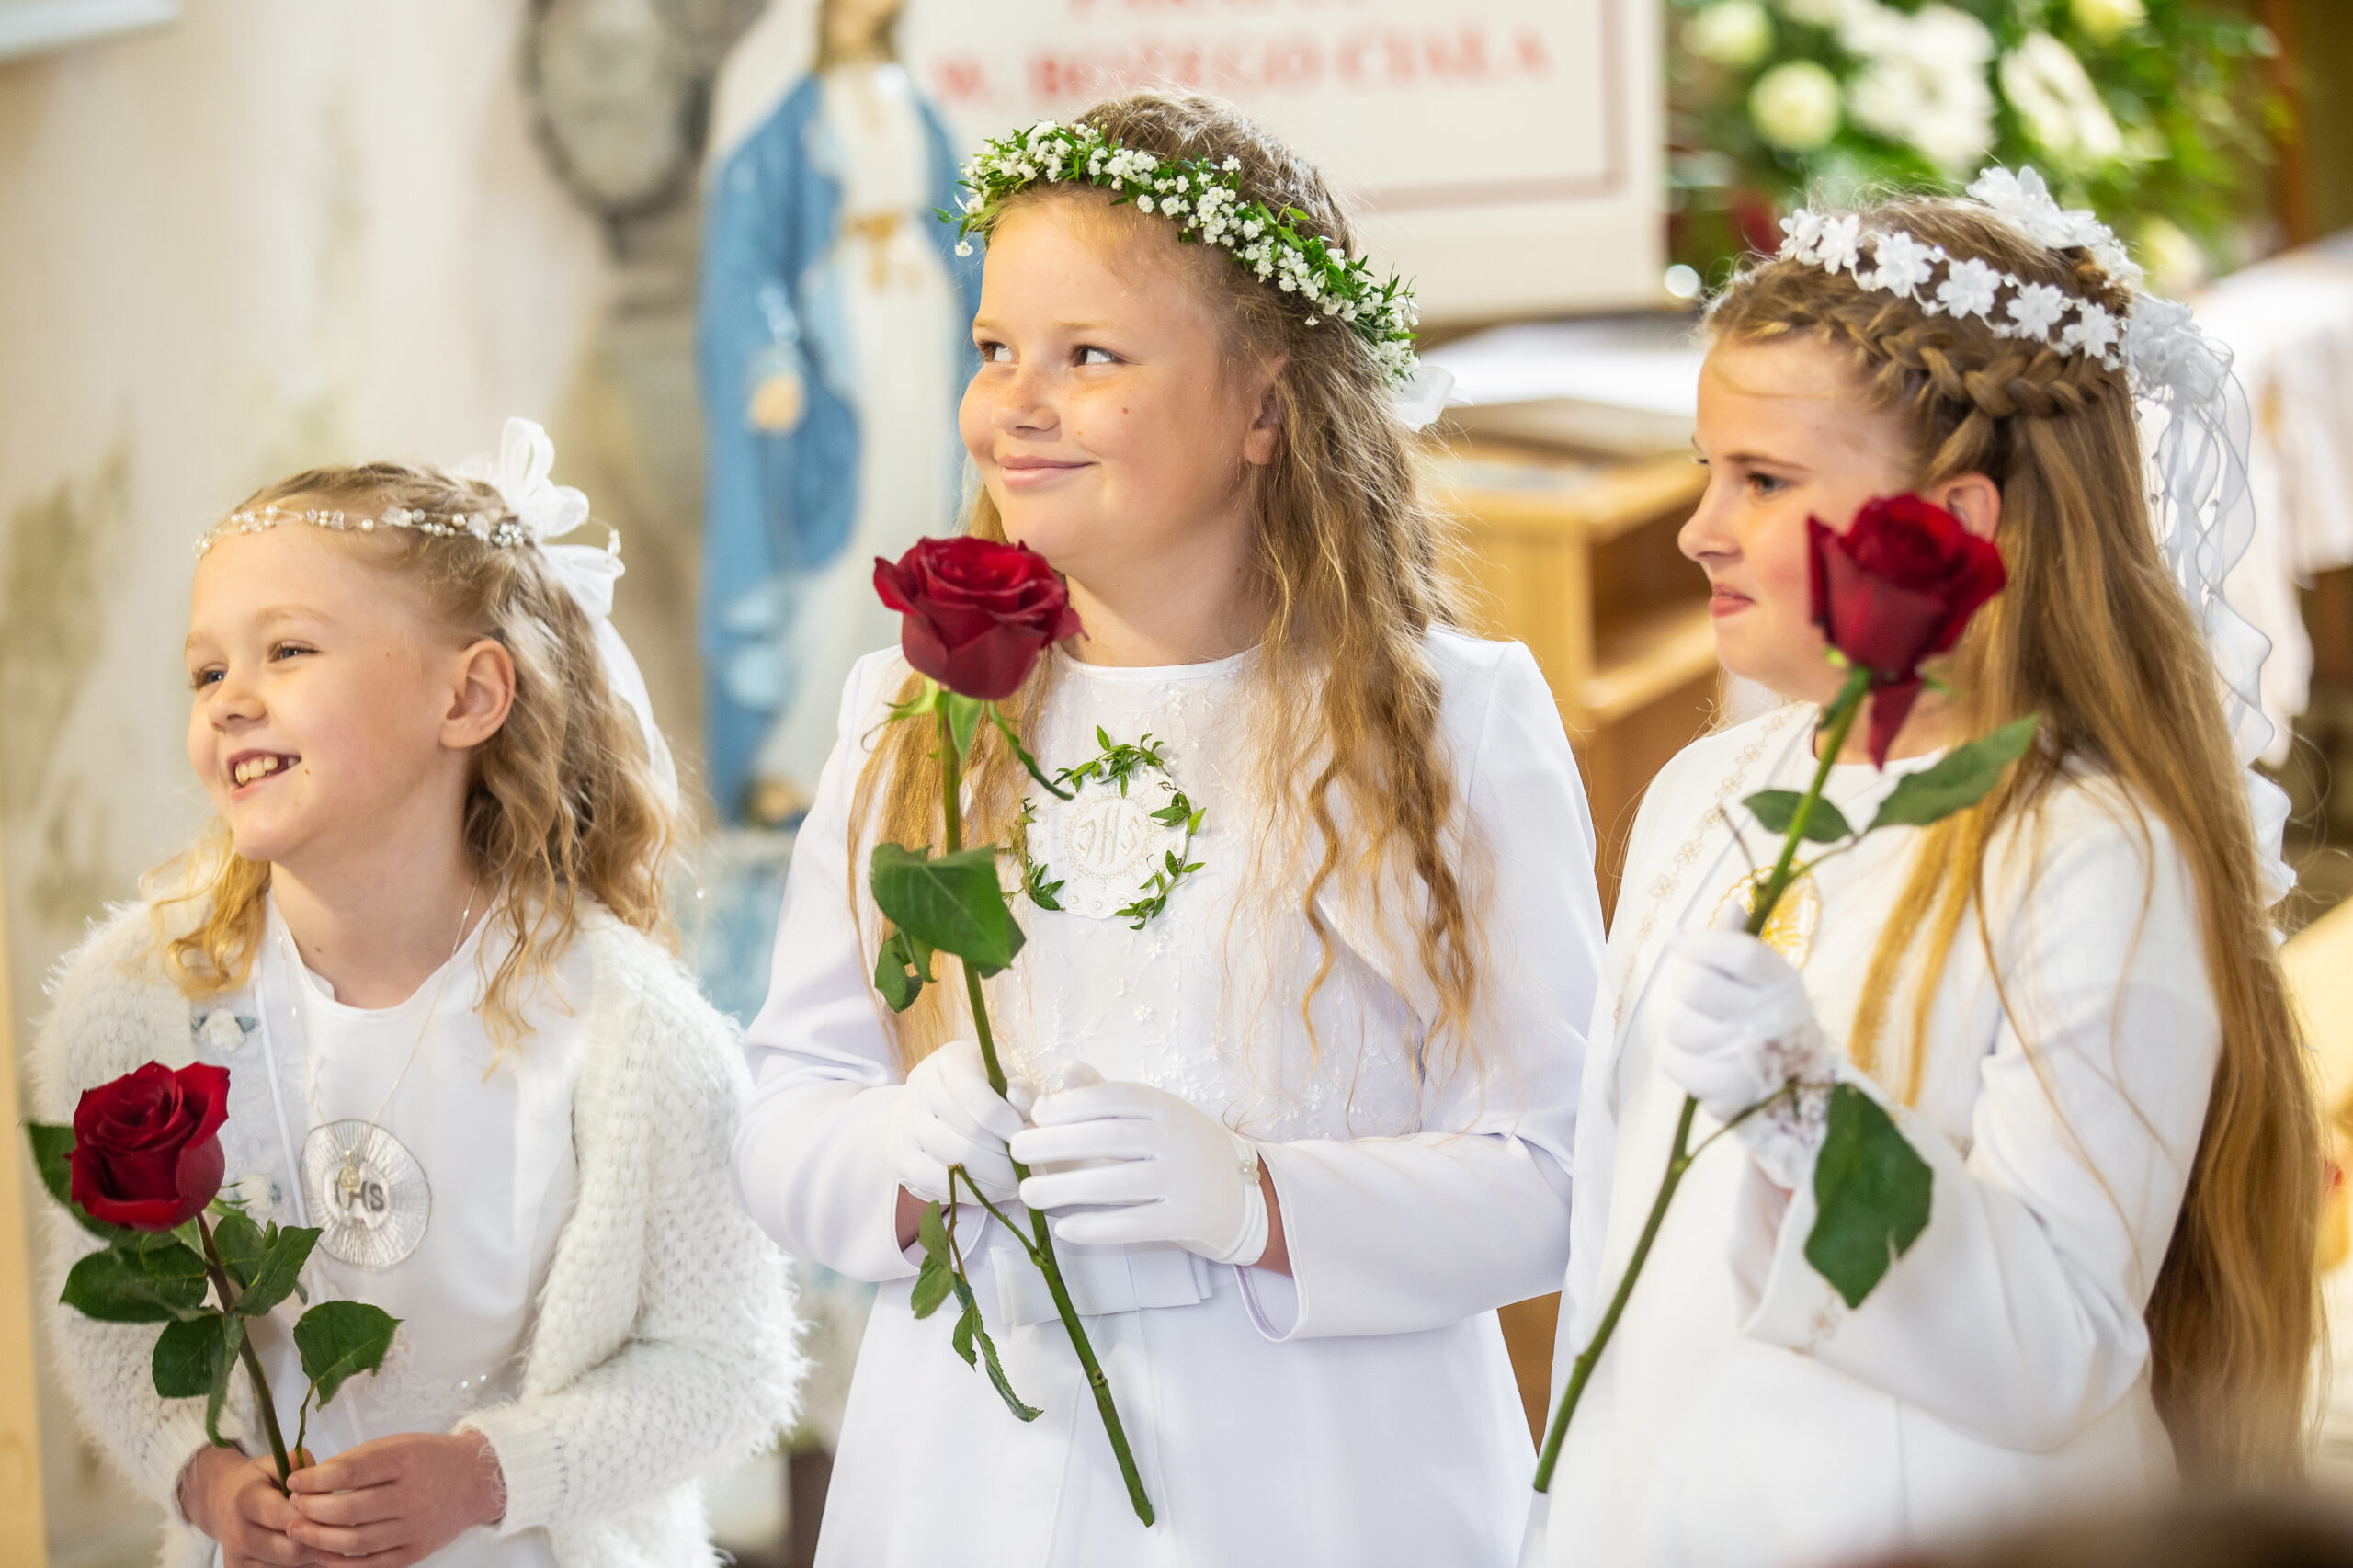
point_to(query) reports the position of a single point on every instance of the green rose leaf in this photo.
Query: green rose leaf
(1870, 1191)
(932, 1287)
(340, 1339)
(968, 1332)
(231, 1338)
(1961, 778)
(184, 1355)
(931, 1230)
(241, 1247)
(52, 1157)
(115, 1286)
(1775, 809)
(949, 903)
(281, 1266)
(902, 969)
(963, 720)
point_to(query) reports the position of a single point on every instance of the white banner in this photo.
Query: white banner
(1506, 154)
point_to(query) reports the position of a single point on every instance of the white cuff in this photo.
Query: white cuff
(530, 1460)
(1251, 1245)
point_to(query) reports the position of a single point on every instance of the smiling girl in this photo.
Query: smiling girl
(2068, 993)
(1302, 1117)
(419, 935)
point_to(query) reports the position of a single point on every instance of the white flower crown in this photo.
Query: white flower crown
(1204, 200)
(1905, 266)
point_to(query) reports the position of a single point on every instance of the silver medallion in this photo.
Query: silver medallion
(368, 1194)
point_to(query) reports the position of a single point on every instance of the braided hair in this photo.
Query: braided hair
(2092, 634)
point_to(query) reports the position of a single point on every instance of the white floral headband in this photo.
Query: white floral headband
(1204, 200)
(1904, 265)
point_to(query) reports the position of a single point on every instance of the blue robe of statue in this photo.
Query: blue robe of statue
(779, 505)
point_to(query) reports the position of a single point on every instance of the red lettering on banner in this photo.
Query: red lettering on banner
(960, 79)
(1291, 64)
(1534, 58)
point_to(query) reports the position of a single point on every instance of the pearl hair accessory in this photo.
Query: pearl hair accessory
(503, 532)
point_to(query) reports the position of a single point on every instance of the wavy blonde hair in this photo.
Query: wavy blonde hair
(1351, 567)
(562, 810)
(2092, 633)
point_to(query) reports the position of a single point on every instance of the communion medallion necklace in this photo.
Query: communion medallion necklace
(368, 1194)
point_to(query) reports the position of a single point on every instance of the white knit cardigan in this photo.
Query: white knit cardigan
(664, 1343)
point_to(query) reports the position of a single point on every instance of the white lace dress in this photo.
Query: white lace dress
(494, 1139)
(1361, 1410)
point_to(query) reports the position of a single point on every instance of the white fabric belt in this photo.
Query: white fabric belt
(1101, 1281)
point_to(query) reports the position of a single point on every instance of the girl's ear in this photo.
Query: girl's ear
(1258, 445)
(485, 695)
(1972, 498)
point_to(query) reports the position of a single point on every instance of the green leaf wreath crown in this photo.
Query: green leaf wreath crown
(1204, 200)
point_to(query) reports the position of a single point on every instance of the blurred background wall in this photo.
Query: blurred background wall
(269, 234)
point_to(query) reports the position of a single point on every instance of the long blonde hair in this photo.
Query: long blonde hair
(1351, 567)
(2094, 634)
(562, 806)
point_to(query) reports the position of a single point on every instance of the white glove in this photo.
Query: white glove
(1738, 1025)
(949, 1116)
(1154, 1169)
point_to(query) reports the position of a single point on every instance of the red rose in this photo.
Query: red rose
(1897, 589)
(977, 613)
(147, 1146)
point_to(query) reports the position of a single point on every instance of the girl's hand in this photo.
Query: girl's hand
(397, 1500)
(1738, 1025)
(235, 1501)
(1158, 1169)
(949, 1116)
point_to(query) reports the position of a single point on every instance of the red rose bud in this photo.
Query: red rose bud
(147, 1146)
(1897, 589)
(976, 614)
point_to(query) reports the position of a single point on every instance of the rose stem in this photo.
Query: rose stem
(228, 1292)
(951, 809)
(1839, 721)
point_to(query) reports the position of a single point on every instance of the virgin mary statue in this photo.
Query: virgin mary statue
(833, 342)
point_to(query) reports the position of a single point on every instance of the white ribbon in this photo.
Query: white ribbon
(1424, 398)
(547, 511)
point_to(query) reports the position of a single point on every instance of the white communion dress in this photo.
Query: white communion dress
(1360, 1410)
(1743, 1417)
(493, 1138)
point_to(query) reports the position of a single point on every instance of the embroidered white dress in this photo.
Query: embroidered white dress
(494, 1139)
(1361, 1411)
(1741, 1415)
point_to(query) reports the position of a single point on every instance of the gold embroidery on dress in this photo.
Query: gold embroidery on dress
(1789, 931)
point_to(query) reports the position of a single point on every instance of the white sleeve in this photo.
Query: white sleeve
(809, 1158)
(1392, 1235)
(2018, 1314)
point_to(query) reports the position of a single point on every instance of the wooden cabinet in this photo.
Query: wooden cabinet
(1575, 557)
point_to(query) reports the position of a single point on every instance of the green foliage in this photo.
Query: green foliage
(1871, 1192)
(216, 1394)
(1775, 809)
(1960, 778)
(969, 1332)
(122, 1284)
(1118, 763)
(963, 720)
(902, 969)
(1156, 888)
(240, 1246)
(282, 1268)
(186, 1356)
(949, 903)
(340, 1339)
(2189, 89)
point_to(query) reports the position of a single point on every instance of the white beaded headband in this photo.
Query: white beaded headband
(504, 531)
(1902, 265)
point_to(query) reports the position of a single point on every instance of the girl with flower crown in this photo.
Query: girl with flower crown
(1294, 1037)
(421, 936)
(2067, 996)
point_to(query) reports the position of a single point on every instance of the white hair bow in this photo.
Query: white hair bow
(549, 511)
